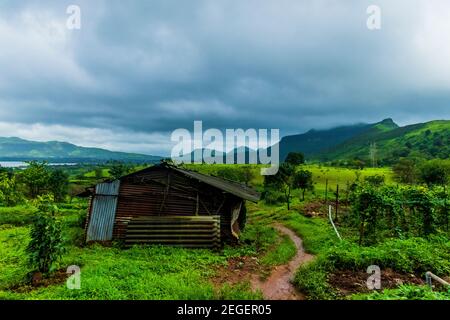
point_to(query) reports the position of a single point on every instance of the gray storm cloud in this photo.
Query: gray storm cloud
(143, 69)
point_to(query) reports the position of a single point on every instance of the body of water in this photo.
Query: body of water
(21, 164)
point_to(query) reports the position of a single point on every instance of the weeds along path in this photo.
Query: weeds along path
(278, 286)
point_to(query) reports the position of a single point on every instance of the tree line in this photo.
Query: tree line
(36, 180)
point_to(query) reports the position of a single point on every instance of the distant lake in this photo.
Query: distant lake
(21, 164)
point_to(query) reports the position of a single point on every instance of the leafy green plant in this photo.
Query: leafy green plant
(36, 177)
(303, 180)
(58, 184)
(45, 247)
(10, 194)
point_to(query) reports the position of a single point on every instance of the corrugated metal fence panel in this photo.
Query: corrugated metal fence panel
(103, 211)
(184, 231)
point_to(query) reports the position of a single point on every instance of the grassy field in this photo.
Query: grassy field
(138, 273)
(174, 273)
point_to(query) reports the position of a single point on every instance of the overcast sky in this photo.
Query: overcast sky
(135, 72)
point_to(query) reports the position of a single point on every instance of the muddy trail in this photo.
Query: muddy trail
(278, 286)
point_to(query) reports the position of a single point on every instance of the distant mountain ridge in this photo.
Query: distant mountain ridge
(386, 140)
(315, 142)
(17, 149)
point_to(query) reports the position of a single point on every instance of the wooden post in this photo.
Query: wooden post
(337, 203)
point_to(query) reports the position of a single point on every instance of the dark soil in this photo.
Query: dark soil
(38, 281)
(349, 282)
(238, 270)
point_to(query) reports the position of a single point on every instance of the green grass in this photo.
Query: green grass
(411, 256)
(283, 252)
(13, 261)
(16, 216)
(316, 233)
(343, 176)
(405, 292)
(92, 174)
(171, 273)
(113, 273)
(312, 279)
(138, 273)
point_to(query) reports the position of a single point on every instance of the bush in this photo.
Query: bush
(10, 195)
(415, 255)
(435, 172)
(45, 247)
(272, 197)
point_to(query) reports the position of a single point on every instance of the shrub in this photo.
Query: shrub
(45, 247)
(10, 195)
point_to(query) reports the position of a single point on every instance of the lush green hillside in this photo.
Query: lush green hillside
(424, 140)
(388, 141)
(19, 149)
(315, 141)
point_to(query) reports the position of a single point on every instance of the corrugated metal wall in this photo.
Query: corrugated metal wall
(103, 212)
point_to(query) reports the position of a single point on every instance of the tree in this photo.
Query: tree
(243, 174)
(435, 172)
(58, 184)
(405, 171)
(74, 190)
(10, 195)
(230, 173)
(247, 174)
(375, 180)
(357, 164)
(118, 170)
(283, 181)
(46, 246)
(295, 158)
(303, 180)
(366, 202)
(422, 201)
(98, 173)
(36, 177)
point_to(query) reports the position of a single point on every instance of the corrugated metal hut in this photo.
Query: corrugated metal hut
(164, 204)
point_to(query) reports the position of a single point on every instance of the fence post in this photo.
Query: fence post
(337, 203)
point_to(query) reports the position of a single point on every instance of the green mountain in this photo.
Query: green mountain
(385, 140)
(315, 142)
(21, 150)
(423, 140)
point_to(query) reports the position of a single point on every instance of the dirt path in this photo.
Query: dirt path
(278, 285)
